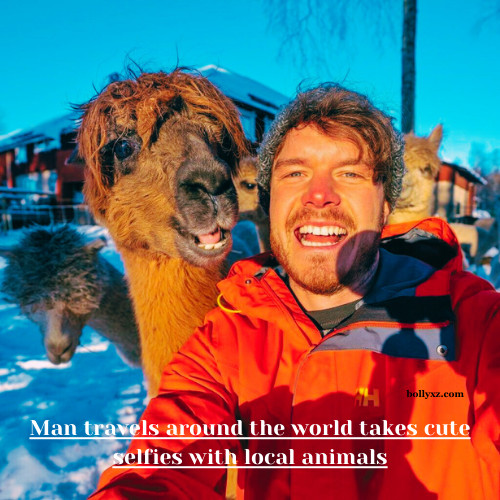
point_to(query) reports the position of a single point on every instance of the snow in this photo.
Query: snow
(15, 382)
(95, 386)
(35, 364)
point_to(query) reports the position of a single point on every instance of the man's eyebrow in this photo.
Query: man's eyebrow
(353, 161)
(289, 161)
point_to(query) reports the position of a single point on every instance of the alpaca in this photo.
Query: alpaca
(62, 283)
(422, 164)
(160, 150)
(417, 197)
(245, 182)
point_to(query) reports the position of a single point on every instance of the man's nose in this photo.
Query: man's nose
(321, 191)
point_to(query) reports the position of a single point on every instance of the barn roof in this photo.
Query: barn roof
(467, 173)
(243, 89)
(48, 132)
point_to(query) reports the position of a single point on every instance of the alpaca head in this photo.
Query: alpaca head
(245, 182)
(422, 165)
(160, 150)
(54, 276)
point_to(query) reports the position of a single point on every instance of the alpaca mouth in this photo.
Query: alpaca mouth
(203, 246)
(212, 241)
(212, 245)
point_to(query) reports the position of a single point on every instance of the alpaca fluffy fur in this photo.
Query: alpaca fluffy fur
(185, 135)
(62, 283)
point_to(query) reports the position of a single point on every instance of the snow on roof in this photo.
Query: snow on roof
(244, 89)
(467, 172)
(48, 132)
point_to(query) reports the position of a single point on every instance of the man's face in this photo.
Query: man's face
(326, 212)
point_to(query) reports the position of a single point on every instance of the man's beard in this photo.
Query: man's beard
(323, 275)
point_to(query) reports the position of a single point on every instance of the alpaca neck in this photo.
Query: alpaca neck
(170, 298)
(402, 215)
(114, 318)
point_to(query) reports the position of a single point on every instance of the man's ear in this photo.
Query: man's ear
(386, 211)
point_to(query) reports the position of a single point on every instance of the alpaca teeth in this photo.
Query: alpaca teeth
(206, 246)
(212, 246)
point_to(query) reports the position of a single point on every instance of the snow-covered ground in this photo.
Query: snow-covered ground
(96, 386)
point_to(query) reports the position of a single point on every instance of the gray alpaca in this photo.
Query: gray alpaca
(62, 283)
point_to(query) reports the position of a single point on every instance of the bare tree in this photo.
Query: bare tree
(408, 73)
(308, 26)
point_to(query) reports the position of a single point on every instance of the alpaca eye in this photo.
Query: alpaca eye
(427, 170)
(123, 149)
(249, 185)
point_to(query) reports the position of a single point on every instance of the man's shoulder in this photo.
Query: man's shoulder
(467, 287)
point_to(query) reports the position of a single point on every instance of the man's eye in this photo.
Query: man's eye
(351, 175)
(294, 174)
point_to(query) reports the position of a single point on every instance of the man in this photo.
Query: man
(338, 325)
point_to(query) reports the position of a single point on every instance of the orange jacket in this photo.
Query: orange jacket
(419, 330)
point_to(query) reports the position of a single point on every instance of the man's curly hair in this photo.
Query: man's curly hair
(338, 113)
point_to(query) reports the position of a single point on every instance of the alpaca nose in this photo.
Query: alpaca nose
(58, 339)
(59, 351)
(211, 177)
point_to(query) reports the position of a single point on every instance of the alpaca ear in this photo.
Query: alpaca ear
(436, 136)
(95, 245)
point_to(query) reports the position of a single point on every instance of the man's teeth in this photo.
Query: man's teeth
(322, 231)
(314, 243)
(212, 246)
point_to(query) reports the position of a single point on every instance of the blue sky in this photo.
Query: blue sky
(53, 53)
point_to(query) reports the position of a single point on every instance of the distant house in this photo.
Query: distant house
(39, 159)
(456, 191)
(31, 159)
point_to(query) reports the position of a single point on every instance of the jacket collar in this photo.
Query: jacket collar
(255, 288)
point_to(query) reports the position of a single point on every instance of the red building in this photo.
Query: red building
(456, 191)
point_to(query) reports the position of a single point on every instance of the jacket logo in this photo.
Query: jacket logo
(364, 398)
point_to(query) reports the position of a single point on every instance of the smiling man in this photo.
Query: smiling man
(347, 322)
(327, 212)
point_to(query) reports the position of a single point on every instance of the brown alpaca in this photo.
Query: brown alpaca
(160, 150)
(422, 164)
(245, 182)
